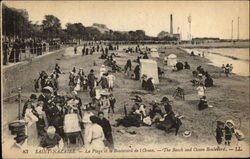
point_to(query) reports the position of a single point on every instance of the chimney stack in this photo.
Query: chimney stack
(171, 24)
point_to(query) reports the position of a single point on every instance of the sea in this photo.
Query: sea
(238, 57)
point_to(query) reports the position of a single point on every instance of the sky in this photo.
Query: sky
(208, 18)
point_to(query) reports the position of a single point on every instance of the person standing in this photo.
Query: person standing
(231, 68)
(102, 70)
(229, 131)
(104, 104)
(83, 51)
(227, 70)
(128, 65)
(87, 124)
(137, 72)
(112, 101)
(95, 135)
(111, 79)
(107, 130)
(103, 81)
(91, 79)
(75, 49)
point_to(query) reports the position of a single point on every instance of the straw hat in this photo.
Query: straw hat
(47, 89)
(51, 130)
(230, 121)
(187, 133)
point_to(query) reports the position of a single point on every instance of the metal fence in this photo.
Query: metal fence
(12, 55)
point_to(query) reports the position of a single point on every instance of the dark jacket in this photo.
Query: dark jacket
(91, 79)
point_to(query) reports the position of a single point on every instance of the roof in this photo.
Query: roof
(153, 49)
(172, 56)
(147, 61)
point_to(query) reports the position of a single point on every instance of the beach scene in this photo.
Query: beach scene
(138, 79)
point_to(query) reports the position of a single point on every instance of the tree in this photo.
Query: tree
(91, 33)
(15, 22)
(140, 34)
(51, 26)
(75, 31)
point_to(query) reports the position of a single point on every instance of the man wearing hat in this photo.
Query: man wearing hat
(91, 79)
(45, 97)
(20, 143)
(219, 131)
(167, 106)
(103, 81)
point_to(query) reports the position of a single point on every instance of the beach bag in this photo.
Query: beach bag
(239, 135)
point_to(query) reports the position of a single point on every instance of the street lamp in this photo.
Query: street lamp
(19, 104)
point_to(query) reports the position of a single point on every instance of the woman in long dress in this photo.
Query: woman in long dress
(95, 136)
(87, 124)
(102, 70)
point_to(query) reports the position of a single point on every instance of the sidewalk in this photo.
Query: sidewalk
(28, 60)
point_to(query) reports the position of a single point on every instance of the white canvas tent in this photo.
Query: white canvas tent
(154, 53)
(172, 60)
(149, 68)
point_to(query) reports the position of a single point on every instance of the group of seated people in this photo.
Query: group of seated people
(180, 66)
(147, 83)
(139, 115)
(48, 113)
(198, 74)
(110, 62)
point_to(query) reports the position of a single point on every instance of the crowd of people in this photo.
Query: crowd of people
(53, 112)
(12, 50)
(227, 69)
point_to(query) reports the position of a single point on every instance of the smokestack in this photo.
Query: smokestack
(171, 24)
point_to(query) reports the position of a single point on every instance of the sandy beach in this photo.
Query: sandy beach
(229, 97)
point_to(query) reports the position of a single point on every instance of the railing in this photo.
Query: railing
(17, 55)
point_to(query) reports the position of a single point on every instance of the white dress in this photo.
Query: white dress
(111, 79)
(95, 137)
(87, 124)
(201, 91)
(102, 71)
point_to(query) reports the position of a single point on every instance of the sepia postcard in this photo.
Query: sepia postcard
(125, 79)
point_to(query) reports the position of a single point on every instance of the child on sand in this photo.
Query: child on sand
(112, 101)
(36, 85)
(201, 90)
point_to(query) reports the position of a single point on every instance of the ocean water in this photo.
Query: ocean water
(239, 57)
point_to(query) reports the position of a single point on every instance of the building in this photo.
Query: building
(205, 40)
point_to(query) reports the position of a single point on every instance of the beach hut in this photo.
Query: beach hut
(171, 60)
(154, 53)
(149, 68)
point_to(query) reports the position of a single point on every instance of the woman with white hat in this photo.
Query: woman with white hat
(102, 70)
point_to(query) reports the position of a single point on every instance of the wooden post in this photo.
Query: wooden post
(19, 105)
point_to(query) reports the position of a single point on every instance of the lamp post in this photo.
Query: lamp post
(238, 35)
(19, 104)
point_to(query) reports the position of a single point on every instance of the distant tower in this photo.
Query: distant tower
(238, 34)
(171, 24)
(189, 21)
(232, 30)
